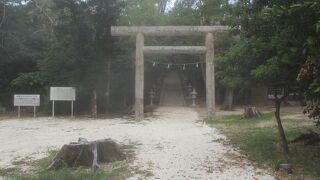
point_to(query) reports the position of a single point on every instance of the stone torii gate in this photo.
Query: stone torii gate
(141, 31)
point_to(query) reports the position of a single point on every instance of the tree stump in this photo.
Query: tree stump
(228, 100)
(87, 154)
(251, 112)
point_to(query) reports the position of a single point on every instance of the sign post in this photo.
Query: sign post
(26, 100)
(62, 94)
(18, 111)
(34, 111)
(53, 108)
(71, 108)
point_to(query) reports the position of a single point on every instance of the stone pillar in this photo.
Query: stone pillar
(210, 80)
(139, 77)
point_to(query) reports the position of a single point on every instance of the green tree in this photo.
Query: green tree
(22, 43)
(81, 47)
(309, 75)
(142, 13)
(276, 33)
(227, 68)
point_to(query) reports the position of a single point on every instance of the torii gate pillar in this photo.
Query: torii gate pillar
(210, 79)
(139, 77)
(208, 49)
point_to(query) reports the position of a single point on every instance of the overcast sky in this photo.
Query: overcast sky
(170, 4)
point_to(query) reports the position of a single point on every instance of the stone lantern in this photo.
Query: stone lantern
(193, 97)
(152, 95)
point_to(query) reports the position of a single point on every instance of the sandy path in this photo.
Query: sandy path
(172, 145)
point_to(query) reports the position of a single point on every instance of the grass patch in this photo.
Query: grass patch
(119, 170)
(258, 138)
(238, 119)
(8, 171)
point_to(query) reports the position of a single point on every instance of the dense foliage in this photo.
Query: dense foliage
(68, 43)
(56, 43)
(276, 39)
(309, 75)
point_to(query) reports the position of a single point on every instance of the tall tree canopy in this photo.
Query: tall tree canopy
(62, 43)
(273, 41)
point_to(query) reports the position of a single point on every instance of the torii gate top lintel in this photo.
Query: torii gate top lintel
(166, 30)
(208, 49)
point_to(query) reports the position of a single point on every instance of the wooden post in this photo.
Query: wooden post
(108, 87)
(71, 109)
(139, 77)
(18, 111)
(34, 111)
(53, 108)
(210, 81)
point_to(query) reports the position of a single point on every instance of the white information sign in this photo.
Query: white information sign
(272, 91)
(62, 94)
(26, 100)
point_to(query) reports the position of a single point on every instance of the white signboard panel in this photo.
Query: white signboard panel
(272, 91)
(62, 94)
(26, 100)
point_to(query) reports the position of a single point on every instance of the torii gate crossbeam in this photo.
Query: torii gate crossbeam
(208, 49)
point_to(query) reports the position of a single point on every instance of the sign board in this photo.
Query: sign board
(272, 91)
(26, 100)
(62, 94)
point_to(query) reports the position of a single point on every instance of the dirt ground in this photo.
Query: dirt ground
(172, 144)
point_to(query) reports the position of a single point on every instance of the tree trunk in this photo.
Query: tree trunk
(108, 87)
(94, 108)
(162, 5)
(246, 100)
(228, 100)
(280, 127)
(125, 105)
(203, 72)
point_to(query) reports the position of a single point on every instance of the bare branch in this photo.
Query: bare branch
(162, 5)
(44, 12)
(4, 14)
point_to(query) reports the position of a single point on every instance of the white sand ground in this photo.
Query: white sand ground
(172, 145)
